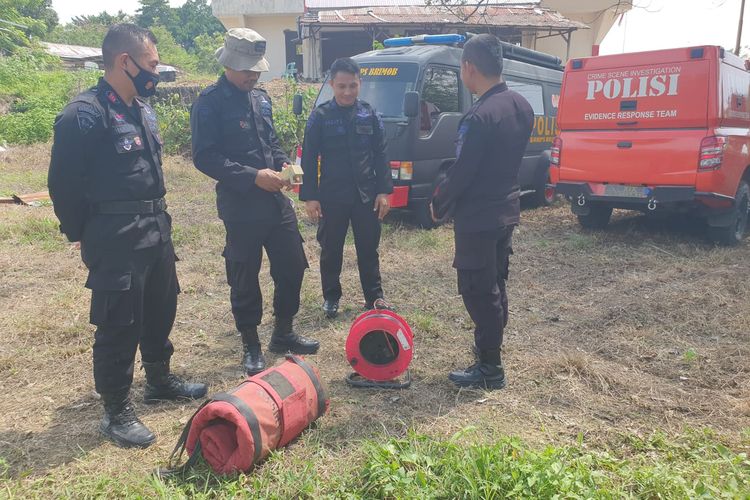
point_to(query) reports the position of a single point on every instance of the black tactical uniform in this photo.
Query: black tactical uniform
(107, 185)
(482, 193)
(233, 138)
(350, 142)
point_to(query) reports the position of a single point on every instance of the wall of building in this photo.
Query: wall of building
(229, 8)
(272, 29)
(271, 18)
(582, 41)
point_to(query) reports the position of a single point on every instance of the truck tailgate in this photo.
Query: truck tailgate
(637, 157)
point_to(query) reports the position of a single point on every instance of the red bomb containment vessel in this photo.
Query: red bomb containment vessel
(380, 346)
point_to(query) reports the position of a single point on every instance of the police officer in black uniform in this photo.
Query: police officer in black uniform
(482, 194)
(107, 185)
(234, 142)
(355, 180)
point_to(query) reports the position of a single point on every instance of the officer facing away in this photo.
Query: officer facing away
(482, 193)
(107, 185)
(234, 142)
(354, 184)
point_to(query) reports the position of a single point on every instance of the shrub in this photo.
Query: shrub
(37, 89)
(290, 128)
(174, 122)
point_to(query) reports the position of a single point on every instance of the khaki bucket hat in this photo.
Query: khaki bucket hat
(243, 50)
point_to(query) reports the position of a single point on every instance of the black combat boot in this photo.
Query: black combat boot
(162, 385)
(120, 423)
(284, 339)
(253, 361)
(486, 373)
(331, 308)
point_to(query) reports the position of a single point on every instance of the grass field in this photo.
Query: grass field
(626, 352)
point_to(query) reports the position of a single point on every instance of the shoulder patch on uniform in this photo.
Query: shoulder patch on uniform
(86, 96)
(463, 129)
(265, 102)
(88, 116)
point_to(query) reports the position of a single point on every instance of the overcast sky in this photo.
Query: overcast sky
(661, 24)
(653, 24)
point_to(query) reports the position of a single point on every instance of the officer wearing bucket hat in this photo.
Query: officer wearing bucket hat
(234, 142)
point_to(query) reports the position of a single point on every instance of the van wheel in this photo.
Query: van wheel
(421, 210)
(734, 233)
(598, 217)
(422, 216)
(543, 196)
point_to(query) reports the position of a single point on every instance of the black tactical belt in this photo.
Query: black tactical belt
(135, 207)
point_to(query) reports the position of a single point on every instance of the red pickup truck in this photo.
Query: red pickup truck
(654, 131)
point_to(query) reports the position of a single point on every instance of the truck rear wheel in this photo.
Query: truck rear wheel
(597, 218)
(733, 234)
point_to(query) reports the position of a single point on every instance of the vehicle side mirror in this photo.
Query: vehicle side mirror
(297, 104)
(411, 104)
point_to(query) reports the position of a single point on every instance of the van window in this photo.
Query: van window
(531, 91)
(439, 95)
(382, 86)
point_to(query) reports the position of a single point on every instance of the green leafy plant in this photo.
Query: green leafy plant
(174, 123)
(290, 128)
(36, 88)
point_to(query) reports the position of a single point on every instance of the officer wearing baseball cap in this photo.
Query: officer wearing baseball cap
(234, 142)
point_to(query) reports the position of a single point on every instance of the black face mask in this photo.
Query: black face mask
(145, 82)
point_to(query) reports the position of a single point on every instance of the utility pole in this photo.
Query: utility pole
(739, 28)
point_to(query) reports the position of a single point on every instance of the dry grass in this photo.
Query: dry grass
(643, 326)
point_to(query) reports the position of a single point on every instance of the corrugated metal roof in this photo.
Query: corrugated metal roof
(344, 4)
(81, 53)
(528, 16)
(73, 51)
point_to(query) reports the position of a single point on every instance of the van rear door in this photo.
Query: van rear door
(605, 94)
(635, 118)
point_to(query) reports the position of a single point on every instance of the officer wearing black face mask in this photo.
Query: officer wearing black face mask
(107, 186)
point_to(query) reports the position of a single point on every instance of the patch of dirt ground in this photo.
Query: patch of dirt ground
(639, 327)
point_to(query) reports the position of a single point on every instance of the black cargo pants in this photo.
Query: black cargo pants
(244, 254)
(332, 230)
(481, 262)
(133, 302)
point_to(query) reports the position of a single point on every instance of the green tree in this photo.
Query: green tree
(155, 13)
(194, 18)
(170, 52)
(104, 18)
(205, 52)
(88, 35)
(40, 10)
(17, 29)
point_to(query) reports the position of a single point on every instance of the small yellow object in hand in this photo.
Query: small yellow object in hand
(293, 174)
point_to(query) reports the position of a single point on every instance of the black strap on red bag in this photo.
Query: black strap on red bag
(247, 413)
(319, 390)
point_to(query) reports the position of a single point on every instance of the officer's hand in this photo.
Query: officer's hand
(269, 180)
(313, 210)
(382, 206)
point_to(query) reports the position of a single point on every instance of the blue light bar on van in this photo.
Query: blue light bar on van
(424, 40)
